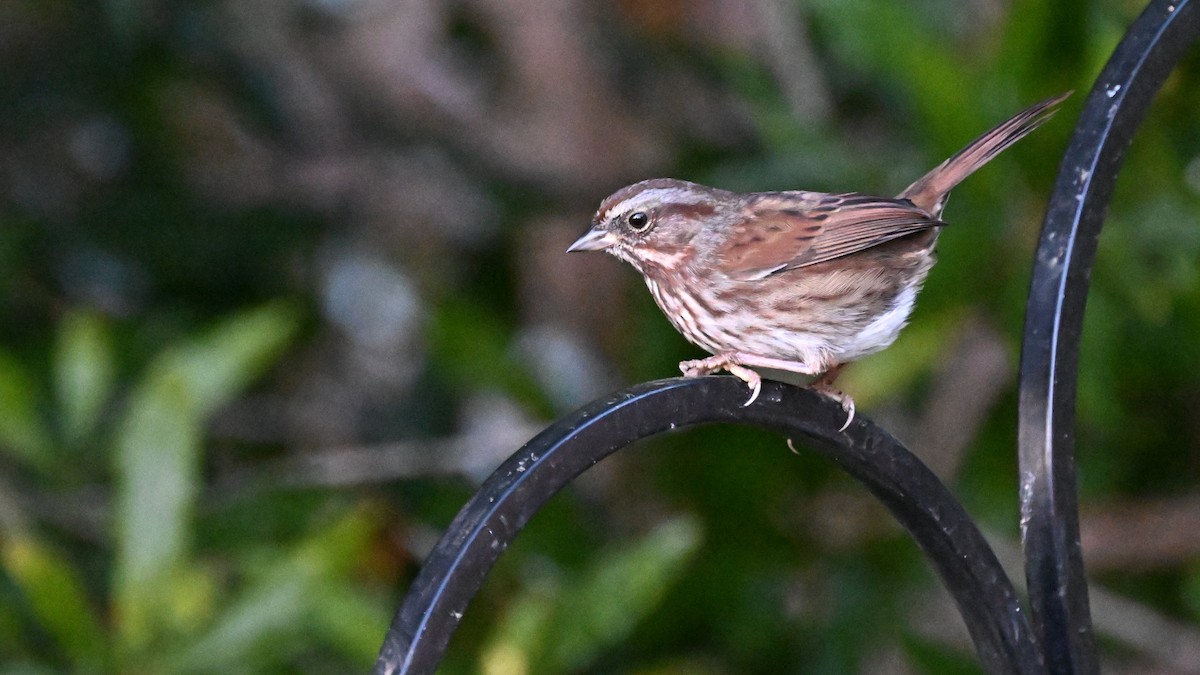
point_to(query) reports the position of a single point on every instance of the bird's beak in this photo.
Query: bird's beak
(594, 240)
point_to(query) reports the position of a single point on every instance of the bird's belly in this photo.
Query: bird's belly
(881, 331)
(719, 326)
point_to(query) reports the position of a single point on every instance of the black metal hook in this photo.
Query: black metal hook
(1054, 320)
(483, 529)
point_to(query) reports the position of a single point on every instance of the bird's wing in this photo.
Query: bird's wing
(775, 235)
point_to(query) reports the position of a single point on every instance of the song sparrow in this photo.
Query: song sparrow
(795, 281)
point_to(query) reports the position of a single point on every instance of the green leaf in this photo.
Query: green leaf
(83, 372)
(284, 600)
(57, 599)
(158, 450)
(549, 630)
(345, 620)
(471, 346)
(22, 432)
(217, 366)
(603, 608)
(526, 623)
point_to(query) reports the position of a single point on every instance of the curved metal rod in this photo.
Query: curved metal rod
(1050, 350)
(456, 568)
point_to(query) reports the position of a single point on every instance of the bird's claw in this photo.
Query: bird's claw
(751, 378)
(845, 402)
(824, 387)
(848, 406)
(700, 367)
(755, 389)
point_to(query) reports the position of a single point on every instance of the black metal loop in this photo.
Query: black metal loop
(1054, 320)
(485, 527)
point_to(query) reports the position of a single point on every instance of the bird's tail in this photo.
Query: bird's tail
(930, 191)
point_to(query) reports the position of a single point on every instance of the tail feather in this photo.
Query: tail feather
(930, 191)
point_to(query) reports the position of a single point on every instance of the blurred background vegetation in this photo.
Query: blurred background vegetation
(282, 280)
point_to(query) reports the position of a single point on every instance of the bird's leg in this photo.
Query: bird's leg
(824, 385)
(730, 362)
(831, 373)
(816, 363)
(736, 363)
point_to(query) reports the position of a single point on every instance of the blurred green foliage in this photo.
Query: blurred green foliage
(153, 307)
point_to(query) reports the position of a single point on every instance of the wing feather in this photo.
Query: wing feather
(775, 236)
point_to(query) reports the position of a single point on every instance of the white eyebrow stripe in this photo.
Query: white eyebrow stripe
(654, 197)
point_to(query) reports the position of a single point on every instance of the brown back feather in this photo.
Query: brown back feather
(773, 236)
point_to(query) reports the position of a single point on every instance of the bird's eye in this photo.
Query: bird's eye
(638, 220)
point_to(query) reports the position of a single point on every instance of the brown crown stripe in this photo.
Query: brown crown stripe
(686, 210)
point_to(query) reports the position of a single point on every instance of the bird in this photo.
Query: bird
(796, 281)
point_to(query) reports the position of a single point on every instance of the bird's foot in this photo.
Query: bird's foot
(843, 399)
(727, 362)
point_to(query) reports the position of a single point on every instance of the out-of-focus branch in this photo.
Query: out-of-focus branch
(795, 65)
(1141, 536)
(1172, 645)
(967, 385)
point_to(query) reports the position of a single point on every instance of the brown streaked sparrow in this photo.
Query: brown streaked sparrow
(797, 281)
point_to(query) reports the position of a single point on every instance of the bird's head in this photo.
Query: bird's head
(651, 223)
